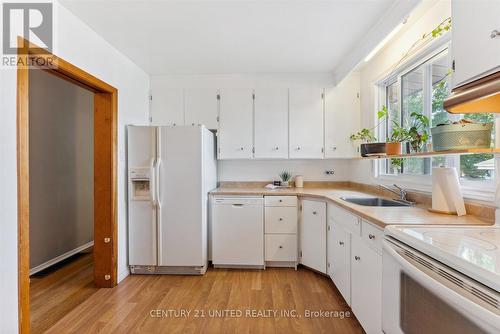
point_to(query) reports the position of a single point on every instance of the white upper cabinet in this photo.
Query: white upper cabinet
(342, 118)
(201, 107)
(271, 123)
(235, 136)
(167, 106)
(306, 123)
(476, 46)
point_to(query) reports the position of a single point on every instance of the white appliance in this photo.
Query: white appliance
(171, 169)
(441, 280)
(238, 232)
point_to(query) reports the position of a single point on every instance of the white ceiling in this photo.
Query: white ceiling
(205, 36)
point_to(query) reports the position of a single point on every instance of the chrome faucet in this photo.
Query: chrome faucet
(402, 193)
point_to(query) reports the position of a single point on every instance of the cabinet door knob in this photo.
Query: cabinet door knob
(314, 212)
(281, 246)
(494, 33)
(341, 243)
(281, 200)
(281, 219)
(276, 148)
(241, 148)
(334, 148)
(298, 148)
(357, 258)
(371, 236)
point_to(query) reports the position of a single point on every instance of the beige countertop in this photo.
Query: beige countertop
(381, 216)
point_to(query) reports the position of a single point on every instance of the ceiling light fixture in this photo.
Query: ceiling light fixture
(385, 40)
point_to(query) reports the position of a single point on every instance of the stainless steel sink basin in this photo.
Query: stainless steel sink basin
(374, 201)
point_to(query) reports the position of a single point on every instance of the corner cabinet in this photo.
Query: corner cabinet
(475, 39)
(355, 265)
(313, 235)
(342, 118)
(306, 129)
(271, 123)
(235, 137)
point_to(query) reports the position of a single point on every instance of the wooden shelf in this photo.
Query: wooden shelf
(433, 154)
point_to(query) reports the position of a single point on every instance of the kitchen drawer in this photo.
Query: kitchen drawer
(373, 236)
(281, 247)
(280, 201)
(344, 219)
(281, 220)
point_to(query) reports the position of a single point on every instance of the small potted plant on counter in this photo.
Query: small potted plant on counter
(369, 145)
(285, 177)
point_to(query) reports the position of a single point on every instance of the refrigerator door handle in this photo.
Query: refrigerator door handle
(157, 185)
(152, 186)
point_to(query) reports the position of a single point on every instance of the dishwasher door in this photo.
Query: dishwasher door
(238, 232)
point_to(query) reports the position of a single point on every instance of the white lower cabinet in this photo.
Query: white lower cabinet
(366, 282)
(339, 259)
(280, 231)
(313, 235)
(355, 265)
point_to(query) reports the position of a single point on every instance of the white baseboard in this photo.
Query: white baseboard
(123, 275)
(60, 258)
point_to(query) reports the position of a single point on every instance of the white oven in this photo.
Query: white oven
(422, 295)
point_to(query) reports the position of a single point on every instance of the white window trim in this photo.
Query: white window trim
(476, 190)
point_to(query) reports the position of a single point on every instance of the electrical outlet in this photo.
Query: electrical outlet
(330, 172)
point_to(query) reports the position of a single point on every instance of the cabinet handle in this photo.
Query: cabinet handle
(298, 148)
(371, 236)
(281, 246)
(314, 213)
(341, 243)
(281, 201)
(281, 219)
(494, 34)
(357, 258)
(241, 148)
(276, 148)
(334, 148)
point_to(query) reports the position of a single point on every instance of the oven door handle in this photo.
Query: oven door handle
(469, 309)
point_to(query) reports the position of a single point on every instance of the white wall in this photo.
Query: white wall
(80, 45)
(61, 167)
(261, 170)
(266, 170)
(425, 18)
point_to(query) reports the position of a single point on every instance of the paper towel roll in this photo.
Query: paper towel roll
(446, 194)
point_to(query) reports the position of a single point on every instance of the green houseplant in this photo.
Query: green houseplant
(394, 144)
(285, 177)
(369, 144)
(418, 133)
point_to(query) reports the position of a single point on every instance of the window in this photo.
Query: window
(423, 89)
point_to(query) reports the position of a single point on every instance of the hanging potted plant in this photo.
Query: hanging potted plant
(369, 145)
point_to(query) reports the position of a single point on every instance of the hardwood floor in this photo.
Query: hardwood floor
(56, 292)
(141, 304)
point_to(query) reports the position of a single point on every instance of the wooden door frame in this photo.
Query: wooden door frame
(105, 168)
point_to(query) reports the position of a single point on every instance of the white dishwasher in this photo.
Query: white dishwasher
(238, 232)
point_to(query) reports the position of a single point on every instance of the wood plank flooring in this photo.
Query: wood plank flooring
(56, 292)
(141, 304)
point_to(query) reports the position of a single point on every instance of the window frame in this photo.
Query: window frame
(481, 190)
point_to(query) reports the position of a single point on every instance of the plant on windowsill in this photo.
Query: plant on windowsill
(366, 136)
(394, 144)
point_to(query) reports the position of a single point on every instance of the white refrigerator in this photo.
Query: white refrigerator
(171, 169)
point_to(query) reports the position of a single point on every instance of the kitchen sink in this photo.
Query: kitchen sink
(374, 201)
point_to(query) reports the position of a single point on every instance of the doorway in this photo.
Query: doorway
(104, 168)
